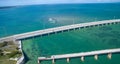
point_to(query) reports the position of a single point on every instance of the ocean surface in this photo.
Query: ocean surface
(22, 19)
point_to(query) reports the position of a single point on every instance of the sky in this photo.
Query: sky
(31, 2)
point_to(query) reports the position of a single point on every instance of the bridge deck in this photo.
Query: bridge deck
(81, 54)
(56, 29)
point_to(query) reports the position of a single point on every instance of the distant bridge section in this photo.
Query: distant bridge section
(59, 29)
(81, 54)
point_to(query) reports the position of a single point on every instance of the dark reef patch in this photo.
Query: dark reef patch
(105, 28)
(113, 34)
(103, 34)
(116, 34)
(115, 42)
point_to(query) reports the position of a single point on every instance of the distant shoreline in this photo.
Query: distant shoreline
(10, 6)
(6, 7)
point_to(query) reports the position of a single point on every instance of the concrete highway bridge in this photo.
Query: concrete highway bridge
(59, 29)
(19, 37)
(81, 54)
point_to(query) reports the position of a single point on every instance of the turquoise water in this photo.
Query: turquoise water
(35, 17)
(88, 39)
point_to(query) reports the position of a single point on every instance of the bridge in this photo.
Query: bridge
(81, 54)
(59, 29)
(19, 37)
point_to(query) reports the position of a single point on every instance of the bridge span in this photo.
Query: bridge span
(59, 29)
(81, 54)
(19, 37)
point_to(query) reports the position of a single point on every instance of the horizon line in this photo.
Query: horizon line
(58, 4)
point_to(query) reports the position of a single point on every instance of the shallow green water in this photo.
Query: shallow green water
(88, 39)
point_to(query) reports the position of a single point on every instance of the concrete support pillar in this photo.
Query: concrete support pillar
(104, 24)
(74, 29)
(109, 56)
(96, 57)
(109, 23)
(38, 62)
(113, 23)
(82, 58)
(100, 24)
(48, 34)
(68, 60)
(41, 36)
(54, 32)
(53, 61)
(68, 30)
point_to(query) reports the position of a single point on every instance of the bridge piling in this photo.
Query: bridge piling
(96, 57)
(82, 58)
(109, 56)
(38, 61)
(53, 61)
(68, 60)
